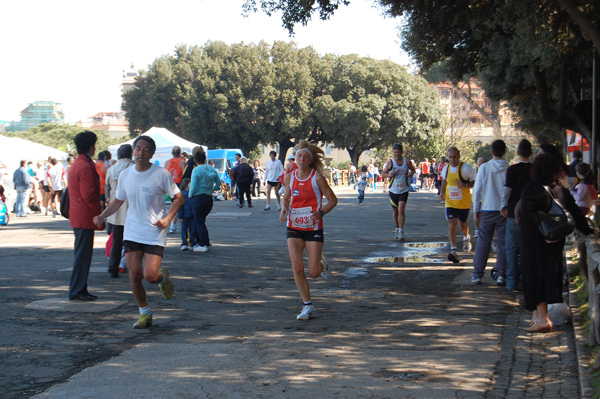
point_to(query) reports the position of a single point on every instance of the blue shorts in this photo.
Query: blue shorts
(461, 214)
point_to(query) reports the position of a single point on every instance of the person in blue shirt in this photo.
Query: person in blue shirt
(205, 180)
(186, 217)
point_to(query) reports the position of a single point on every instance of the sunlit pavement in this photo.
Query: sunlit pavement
(395, 320)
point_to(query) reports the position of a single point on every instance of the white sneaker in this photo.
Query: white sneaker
(278, 207)
(307, 313)
(467, 244)
(476, 233)
(396, 234)
(267, 208)
(185, 248)
(324, 268)
(401, 235)
(200, 248)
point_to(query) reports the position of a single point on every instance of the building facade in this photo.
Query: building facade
(36, 113)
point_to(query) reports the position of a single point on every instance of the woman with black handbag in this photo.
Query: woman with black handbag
(541, 258)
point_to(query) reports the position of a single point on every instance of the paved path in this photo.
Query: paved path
(395, 321)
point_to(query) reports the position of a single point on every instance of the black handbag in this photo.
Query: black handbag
(64, 203)
(557, 223)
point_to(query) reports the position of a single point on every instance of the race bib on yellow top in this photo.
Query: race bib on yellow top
(455, 193)
(300, 218)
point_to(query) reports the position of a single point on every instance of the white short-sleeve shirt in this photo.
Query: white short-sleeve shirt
(145, 192)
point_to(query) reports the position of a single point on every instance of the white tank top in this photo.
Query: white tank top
(399, 184)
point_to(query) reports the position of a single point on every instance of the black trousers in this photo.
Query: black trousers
(84, 246)
(117, 248)
(244, 189)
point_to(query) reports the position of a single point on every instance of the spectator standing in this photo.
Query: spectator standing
(572, 175)
(243, 175)
(487, 203)
(273, 173)
(22, 182)
(517, 176)
(584, 192)
(352, 177)
(84, 204)
(190, 164)
(117, 219)
(175, 167)
(101, 169)
(186, 217)
(259, 174)
(57, 182)
(541, 261)
(205, 180)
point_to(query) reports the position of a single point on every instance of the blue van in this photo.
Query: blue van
(223, 160)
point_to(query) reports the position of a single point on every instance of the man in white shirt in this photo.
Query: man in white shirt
(145, 236)
(57, 182)
(273, 173)
(487, 204)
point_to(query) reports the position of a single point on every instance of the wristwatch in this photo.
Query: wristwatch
(321, 212)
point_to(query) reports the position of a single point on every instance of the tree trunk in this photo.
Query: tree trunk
(354, 156)
(284, 146)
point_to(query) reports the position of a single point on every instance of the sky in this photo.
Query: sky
(74, 52)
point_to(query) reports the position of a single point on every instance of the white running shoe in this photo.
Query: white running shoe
(200, 248)
(467, 244)
(307, 312)
(476, 233)
(278, 207)
(396, 234)
(401, 235)
(267, 208)
(324, 268)
(185, 247)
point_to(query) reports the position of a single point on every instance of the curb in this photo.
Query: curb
(581, 351)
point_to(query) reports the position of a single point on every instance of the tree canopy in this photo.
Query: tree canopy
(243, 95)
(535, 55)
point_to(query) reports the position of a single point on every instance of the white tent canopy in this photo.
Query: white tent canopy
(165, 141)
(14, 149)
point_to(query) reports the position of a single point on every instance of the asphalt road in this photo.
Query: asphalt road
(396, 320)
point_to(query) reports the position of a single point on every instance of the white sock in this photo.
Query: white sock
(146, 310)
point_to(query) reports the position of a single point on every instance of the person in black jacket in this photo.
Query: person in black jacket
(542, 261)
(243, 174)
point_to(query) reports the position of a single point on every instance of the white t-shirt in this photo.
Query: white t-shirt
(274, 170)
(39, 174)
(467, 172)
(55, 177)
(145, 192)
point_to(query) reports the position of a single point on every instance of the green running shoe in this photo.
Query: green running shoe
(166, 287)
(144, 321)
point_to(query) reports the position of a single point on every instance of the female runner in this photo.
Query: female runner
(303, 213)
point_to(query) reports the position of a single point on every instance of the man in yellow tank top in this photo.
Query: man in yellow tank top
(457, 180)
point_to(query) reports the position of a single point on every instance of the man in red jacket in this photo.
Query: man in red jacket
(84, 204)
